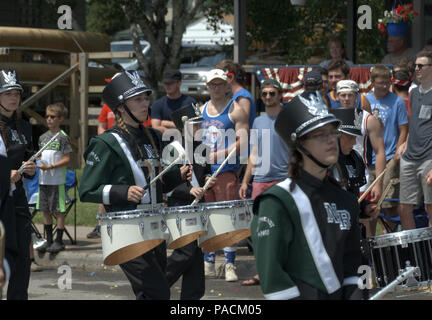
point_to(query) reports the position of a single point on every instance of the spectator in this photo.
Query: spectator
(325, 82)
(54, 160)
(416, 152)
(313, 82)
(236, 80)
(407, 65)
(393, 115)
(274, 163)
(339, 70)
(401, 82)
(300, 219)
(223, 115)
(173, 100)
(397, 48)
(336, 51)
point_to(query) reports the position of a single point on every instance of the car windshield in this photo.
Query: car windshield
(208, 61)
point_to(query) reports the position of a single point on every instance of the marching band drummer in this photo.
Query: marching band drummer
(305, 229)
(111, 175)
(16, 144)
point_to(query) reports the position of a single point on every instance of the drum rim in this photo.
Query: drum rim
(226, 204)
(126, 214)
(414, 235)
(183, 209)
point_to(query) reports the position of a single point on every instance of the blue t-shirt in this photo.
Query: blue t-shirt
(392, 112)
(162, 108)
(273, 153)
(243, 93)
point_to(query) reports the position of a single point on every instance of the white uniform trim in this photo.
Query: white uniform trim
(106, 193)
(4, 153)
(350, 281)
(138, 174)
(313, 237)
(286, 294)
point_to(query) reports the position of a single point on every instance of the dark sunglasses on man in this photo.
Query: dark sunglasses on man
(271, 93)
(420, 66)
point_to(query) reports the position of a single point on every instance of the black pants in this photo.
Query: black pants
(146, 274)
(189, 262)
(20, 260)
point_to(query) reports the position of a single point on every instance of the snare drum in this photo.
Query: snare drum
(391, 252)
(228, 222)
(129, 234)
(185, 224)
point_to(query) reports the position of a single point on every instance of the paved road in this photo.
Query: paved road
(111, 284)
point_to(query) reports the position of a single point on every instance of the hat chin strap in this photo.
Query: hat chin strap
(310, 156)
(131, 115)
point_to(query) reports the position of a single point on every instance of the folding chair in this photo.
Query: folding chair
(32, 191)
(421, 218)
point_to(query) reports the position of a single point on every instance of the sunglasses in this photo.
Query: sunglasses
(216, 85)
(50, 117)
(420, 66)
(271, 93)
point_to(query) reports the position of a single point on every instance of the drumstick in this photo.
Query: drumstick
(215, 174)
(390, 164)
(180, 157)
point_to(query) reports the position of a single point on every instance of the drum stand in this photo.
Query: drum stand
(408, 274)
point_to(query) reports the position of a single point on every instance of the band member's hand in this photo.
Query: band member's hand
(186, 172)
(371, 210)
(243, 190)
(376, 193)
(29, 168)
(429, 178)
(135, 194)
(2, 279)
(211, 183)
(44, 166)
(197, 192)
(15, 176)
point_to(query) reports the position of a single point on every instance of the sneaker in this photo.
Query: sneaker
(95, 234)
(43, 248)
(37, 242)
(209, 269)
(35, 267)
(56, 247)
(230, 274)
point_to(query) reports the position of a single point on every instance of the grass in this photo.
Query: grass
(85, 212)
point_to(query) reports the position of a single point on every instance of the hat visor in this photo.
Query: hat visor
(13, 87)
(138, 92)
(320, 123)
(351, 132)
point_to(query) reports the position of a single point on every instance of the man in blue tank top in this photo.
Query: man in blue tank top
(225, 127)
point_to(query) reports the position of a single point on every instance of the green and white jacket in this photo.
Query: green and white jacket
(306, 242)
(111, 169)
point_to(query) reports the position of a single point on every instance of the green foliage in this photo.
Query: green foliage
(105, 16)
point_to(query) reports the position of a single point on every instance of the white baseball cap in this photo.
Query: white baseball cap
(347, 86)
(216, 74)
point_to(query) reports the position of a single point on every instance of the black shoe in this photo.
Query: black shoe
(95, 234)
(56, 247)
(43, 248)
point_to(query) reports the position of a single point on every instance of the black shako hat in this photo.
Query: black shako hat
(351, 120)
(123, 86)
(9, 81)
(302, 114)
(191, 111)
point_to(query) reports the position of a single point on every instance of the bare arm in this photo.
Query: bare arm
(366, 105)
(403, 135)
(248, 172)
(377, 141)
(157, 124)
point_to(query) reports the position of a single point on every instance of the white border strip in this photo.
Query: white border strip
(284, 294)
(138, 174)
(313, 236)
